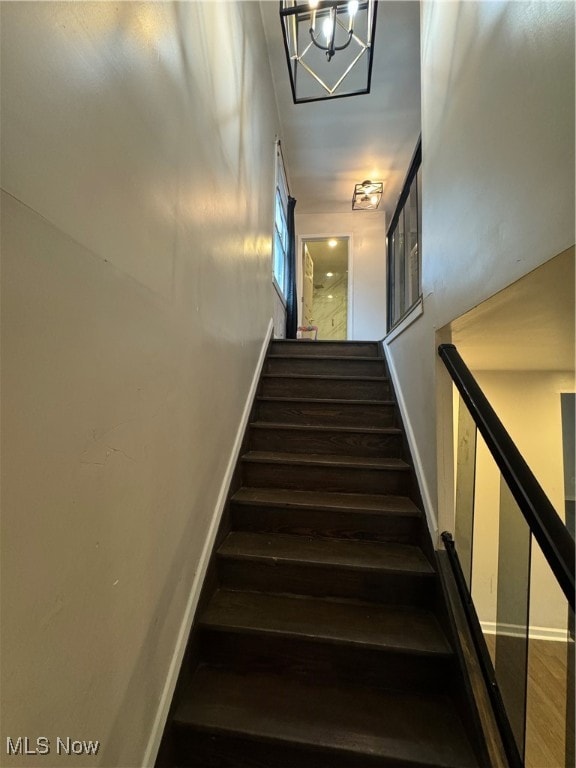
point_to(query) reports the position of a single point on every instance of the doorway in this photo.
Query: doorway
(325, 285)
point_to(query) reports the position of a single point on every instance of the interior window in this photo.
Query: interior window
(280, 226)
(404, 247)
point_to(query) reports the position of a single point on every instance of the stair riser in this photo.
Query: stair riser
(335, 443)
(201, 749)
(325, 581)
(326, 366)
(321, 349)
(364, 526)
(334, 389)
(324, 661)
(327, 414)
(326, 478)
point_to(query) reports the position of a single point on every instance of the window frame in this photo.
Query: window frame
(280, 233)
(401, 265)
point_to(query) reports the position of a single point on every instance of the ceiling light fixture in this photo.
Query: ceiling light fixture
(367, 195)
(329, 47)
(329, 274)
(332, 243)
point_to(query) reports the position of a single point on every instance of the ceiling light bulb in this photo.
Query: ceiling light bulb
(313, 4)
(352, 7)
(327, 28)
(329, 274)
(330, 296)
(374, 199)
(332, 243)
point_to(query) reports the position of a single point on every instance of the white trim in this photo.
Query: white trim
(174, 669)
(534, 633)
(413, 315)
(418, 466)
(350, 318)
(299, 275)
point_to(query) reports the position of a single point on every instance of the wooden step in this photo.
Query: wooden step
(389, 628)
(324, 514)
(324, 386)
(325, 348)
(334, 365)
(330, 472)
(327, 722)
(388, 646)
(326, 411)
(381, 572)
(344, 441)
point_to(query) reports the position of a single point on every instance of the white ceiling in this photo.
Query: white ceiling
(331, 145)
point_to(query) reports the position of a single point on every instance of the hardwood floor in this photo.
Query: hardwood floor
(546, 704)
(546, 698)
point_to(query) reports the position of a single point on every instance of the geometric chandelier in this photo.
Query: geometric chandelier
(367, 195)
(329, 47)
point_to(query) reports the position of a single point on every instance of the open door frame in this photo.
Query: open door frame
(300, 276)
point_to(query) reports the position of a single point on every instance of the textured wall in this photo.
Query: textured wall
(138, 167)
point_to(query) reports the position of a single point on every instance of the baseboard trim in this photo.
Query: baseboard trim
(534, 632)
(167, 694)
(418, 467)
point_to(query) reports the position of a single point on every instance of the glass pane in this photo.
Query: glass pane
(279, 209)
(416, 267)
(404, 253)
(400, 265)
(514, 549)
(550, 695)
(465, 479)
(412, 242)
(570, 693)
(283, 229)
(392, 280)
(485, 543)
(397, 242)
(279, 262)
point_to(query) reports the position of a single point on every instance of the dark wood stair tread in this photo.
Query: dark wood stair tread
(327, 428)
(416, 729)
(332, 460)
(360, 555)
(368, 625)
(327, 400)
(364, 358)
(324, 376)
(353, 502)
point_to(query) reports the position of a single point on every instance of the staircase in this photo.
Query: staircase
(323, 638)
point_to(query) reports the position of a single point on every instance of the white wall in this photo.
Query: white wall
(498, 177)
(138, 166)
(367, 266)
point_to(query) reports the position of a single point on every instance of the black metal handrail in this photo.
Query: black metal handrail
(544, 522)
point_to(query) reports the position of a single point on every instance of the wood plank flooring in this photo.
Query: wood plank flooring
(546, 701)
